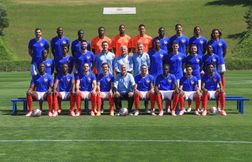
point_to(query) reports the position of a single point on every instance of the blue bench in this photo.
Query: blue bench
(240, 103)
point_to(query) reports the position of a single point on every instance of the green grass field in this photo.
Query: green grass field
(108, 138)
(25, 15)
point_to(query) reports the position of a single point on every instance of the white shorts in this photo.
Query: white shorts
(221, 68)
(104, 95)
(166, 94)
(189, 95)
(64, 95)
(178, 80)
(143, 94)
(41, 95)
(85, 94)
(33, 70)
(212, 94)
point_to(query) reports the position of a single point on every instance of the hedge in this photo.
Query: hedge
(15, 65)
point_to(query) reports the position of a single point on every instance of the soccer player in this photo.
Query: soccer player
(124, 89)
(120, 40)
(175, 61)
(96, 43)
(35, 48)
(145, 39)
(140, 58)
(49, 65)
(156, 58)
(56, 44)
(64, 87)
(195, 60)
(84, 56)
(212, 89)
(144, 89)
(76, 44)
(210, 57)
(86, 89)
(40, 89)
(166, 88)
(199, 41)
(182, 40)
(125, 59)
(164, 40)
(104, 56)
(219, 48)
(189, 90)
(66, 59)
(104, 89)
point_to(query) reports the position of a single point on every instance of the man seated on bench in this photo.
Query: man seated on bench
(40, 89)
(86, 89)
(144, 89)
(64, 87)
(166, 88)
(189, 90)
(104, 89)
(124, 89)
(212, 89)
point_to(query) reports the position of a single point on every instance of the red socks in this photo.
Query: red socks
(111, 103)
(152, 101)
(55, 101)
(137, 102)
(99, 103)
(78, 102)
(50, 102)
(205, 100)
(159, 102)
(182, 102)
(175, 101)
(223, 81)
(222, 100)
(93, 101)
(72, 102)
(29, 102)
(197, 101)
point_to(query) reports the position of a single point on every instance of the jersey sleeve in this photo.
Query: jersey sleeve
(132, 80)
(116, 82)
(224, 45)
(30, 44)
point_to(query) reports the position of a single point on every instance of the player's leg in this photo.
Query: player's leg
(56, 98)
(137, 102)
(118, 103)
(197, 98)
(29, 96)
(130, 98)
(204, 102)
(111, 104)
(175, 100)
(159, 102)
(221, 96)
(78, 98)
(49, 97)
(152, 99)
(99, 103)
(182, 103)
(93, 103)
(72, 98)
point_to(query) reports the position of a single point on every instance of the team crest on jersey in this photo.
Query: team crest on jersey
(165, 42)
(192, 82)
(108, 79)
(179, 58)
(183, 40)
(215, 80)
(148, 81)
(45, 79)
(63, 42)
(220, 44)
(161, 55)
(169, 80)
(214, 60)
(68, 79)
(41, 44)
(88, 57)
(201, 42)
(48, 64)
(89, 79)
(197, 60)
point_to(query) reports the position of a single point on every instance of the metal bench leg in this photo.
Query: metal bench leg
(241, 107)
(14, 108)
(25, 106)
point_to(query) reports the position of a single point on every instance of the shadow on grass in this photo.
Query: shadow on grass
(237, 35)
(230, 2)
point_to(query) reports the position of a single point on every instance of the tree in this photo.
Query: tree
(248, 17)
(4, 21)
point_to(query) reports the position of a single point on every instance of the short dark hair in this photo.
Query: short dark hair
(105, 63)
(141, 25)
(178, 25)
(36, 29)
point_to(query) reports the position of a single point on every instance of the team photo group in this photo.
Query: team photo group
(175, 69)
